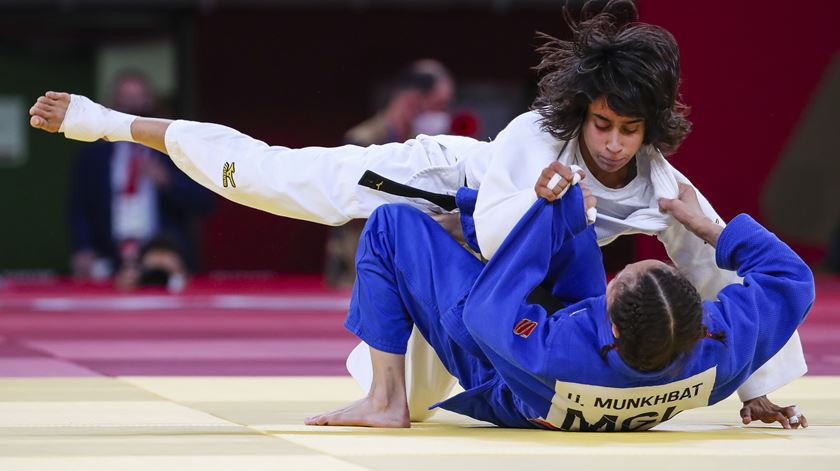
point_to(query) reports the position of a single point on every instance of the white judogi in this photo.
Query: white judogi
(320, 185)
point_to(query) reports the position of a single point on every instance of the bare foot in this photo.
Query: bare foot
(49, 110)
(367, 412)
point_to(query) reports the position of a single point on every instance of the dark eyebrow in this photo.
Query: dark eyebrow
(632, 121)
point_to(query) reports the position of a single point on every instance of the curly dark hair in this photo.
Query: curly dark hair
(659, 318)
(635, 65)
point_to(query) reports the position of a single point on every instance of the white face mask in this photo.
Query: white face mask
(432, 123)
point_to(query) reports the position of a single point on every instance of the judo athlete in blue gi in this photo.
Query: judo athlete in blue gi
(619, 357)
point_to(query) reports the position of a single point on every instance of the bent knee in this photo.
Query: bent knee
(393, 217)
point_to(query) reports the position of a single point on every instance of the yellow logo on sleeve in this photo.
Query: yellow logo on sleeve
(227, 174)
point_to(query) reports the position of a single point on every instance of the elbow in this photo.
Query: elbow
(806, 277)
(811, 290)
(806, 291)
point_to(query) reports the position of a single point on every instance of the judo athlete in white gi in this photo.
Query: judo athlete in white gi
(607, 102)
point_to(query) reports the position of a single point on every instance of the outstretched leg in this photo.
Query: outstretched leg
(317, 184)
(385, 404)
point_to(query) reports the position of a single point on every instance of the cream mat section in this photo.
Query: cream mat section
(233, 423)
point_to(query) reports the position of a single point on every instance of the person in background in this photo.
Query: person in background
(124, 194)
(160, 264)
(418, 103)
(435, 118)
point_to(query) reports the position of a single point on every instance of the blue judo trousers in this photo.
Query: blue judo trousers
(522, 365)
(410, 271)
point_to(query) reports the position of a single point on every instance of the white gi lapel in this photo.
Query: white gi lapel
(645, 220)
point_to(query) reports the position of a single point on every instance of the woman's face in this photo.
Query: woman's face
(610, 139)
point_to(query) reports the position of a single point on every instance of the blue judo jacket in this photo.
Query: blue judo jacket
(550, 372)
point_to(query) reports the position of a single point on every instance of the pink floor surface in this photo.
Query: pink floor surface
(285, 327)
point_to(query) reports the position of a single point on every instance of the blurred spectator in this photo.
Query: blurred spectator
(159, 265)
(394, 123)
(417, 103)
(124, 194)
(435, 118)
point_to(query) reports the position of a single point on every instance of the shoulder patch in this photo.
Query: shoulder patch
(524, 328)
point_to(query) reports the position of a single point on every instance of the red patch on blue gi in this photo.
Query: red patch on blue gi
(524, 328)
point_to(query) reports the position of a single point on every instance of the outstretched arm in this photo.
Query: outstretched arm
(697, 261)
(759, 315)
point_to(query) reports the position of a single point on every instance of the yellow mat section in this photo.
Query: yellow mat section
(231, 423)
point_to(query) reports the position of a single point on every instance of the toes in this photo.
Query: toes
(39, 110)
(48, 103)
(58, 96)
(328, 419)
(316, 420)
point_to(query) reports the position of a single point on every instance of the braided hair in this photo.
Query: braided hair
(658, 319)
(635, 65)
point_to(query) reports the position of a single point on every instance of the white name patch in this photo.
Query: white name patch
(587, 408)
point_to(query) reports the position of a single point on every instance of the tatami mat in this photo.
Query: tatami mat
(244, 423)
(112, 382)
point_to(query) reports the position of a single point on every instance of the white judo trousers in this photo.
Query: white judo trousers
(321, 185)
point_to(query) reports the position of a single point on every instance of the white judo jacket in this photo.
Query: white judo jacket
(320, 184)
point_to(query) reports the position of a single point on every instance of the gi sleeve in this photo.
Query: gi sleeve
(516, 157)
(693, 256)
(496, 312)
(697, 261)
(315, 184)
(759, 315)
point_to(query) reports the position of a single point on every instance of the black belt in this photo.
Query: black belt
(377, 182)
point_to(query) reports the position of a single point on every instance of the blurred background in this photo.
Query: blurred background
(762, 78)
(84, 224)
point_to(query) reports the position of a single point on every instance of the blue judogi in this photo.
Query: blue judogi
(522, 366)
